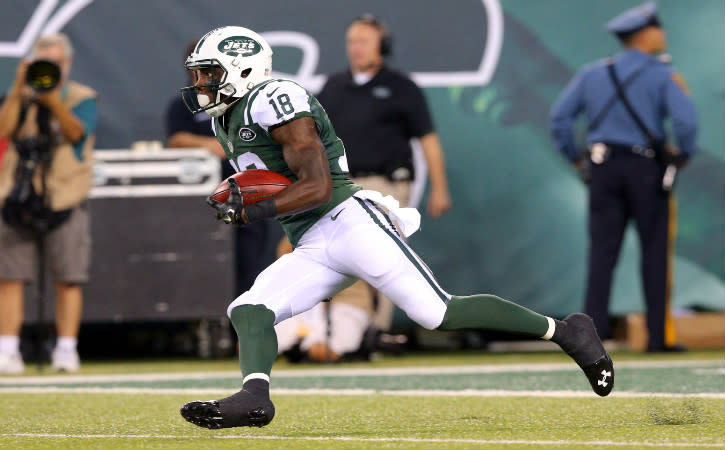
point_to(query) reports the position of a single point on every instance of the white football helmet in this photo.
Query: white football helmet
(244, 56)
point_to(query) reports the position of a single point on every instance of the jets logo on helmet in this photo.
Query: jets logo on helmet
(233, 61)
(239, 45)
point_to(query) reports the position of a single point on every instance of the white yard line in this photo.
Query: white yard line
(354, 392)
(348, 372)
(637, 444)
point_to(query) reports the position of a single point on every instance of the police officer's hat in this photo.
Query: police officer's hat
(633, 20)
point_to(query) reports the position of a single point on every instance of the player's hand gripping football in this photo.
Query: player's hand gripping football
(231, 211)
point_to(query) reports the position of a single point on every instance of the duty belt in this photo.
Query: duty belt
(601, 151)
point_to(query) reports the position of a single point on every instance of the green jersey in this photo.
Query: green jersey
(248, 144)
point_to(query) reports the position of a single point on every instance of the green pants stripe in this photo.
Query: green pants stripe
(425, 271)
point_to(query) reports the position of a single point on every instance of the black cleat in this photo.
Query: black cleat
(204, 414)
(579, 340)
(243, 409)
(601, 375)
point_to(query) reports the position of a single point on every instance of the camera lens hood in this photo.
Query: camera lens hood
(43, 75)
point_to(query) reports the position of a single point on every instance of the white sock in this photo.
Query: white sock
(9, 344)
(550, 332)
(66, 343)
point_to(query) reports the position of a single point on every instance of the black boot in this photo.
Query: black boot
(577, 336)
(250, 407)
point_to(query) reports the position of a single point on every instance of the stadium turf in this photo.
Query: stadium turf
(457, 401)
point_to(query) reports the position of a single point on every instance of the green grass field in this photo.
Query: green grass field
(455, 401)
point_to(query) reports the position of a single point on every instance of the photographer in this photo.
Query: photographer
(45, 178)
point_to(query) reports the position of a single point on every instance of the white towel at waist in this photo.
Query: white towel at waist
(407, 219)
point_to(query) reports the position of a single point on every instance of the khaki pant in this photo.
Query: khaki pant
(68, 250)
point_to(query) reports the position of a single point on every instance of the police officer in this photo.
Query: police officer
(626, 100)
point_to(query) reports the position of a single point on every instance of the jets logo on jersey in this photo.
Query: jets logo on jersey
(247, 135)
(239, 45)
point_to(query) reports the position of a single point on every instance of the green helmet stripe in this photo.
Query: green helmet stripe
(201, 41)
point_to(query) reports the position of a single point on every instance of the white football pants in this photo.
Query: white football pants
(356, 240)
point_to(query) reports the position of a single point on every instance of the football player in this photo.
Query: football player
(340, 232)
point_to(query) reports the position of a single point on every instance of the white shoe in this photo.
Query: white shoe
(65, 360)
(11, 364)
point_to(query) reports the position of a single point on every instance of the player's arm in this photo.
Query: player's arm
(70, 125)
(179, 124)
(420, 125)
(186, 139)
(681, 110)
(10, 107)
(303, 151)
(306, 157)
(562, 116)
(439, 200)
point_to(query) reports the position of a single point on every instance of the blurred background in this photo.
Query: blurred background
(490, 71)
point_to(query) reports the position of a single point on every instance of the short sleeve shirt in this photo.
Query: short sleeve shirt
(376, 120)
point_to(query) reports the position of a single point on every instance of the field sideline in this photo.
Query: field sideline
(460, 400)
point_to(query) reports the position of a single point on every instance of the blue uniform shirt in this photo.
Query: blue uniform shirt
(653, 95)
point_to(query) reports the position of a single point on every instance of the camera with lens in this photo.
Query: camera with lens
(43, 75)
(25, 207)
(36, 149)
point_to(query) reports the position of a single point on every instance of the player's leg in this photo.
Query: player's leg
(302, 331)
(350, 314)
(11, 321)
(383, 308)
(292, 284)
(575, 334)
(608, 216)
(402, 276)
(348, 324)
(69, 256)
(306, 333)
(69, 306)
(18, 259)
(655, 216)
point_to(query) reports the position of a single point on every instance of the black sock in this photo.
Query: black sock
(578, 338)
(249, 407)
(257, 386)
(559, 331)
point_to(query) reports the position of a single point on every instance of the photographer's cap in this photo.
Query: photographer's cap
(634, 19)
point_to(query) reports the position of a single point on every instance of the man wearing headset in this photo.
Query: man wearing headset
(376, 111)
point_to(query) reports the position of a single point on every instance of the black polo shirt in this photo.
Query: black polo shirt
(376, 120)
(179, 118)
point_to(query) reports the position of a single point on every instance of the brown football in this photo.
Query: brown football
(255, 184)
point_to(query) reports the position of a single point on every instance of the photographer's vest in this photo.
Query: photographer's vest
(68, 180)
